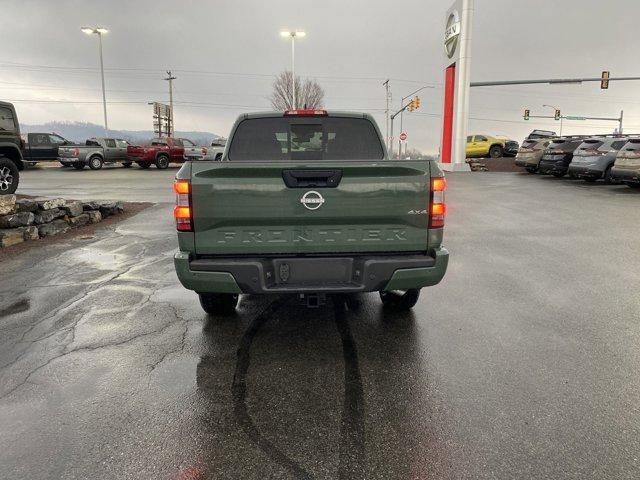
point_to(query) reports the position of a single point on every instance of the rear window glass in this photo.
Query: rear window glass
(633, 144)
(305, 138)
(7, 123)
(590, 144)
(618, 144)
(529, 143)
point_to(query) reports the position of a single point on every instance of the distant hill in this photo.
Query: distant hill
(80, 131)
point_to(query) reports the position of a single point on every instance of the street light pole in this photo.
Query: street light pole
(555, 108)
(293, 35)
(99, 31)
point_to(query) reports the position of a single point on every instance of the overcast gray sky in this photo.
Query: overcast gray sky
(226, 52)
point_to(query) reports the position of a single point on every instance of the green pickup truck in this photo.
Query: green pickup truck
(308, 202)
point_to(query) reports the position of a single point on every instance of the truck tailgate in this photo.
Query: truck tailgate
(258, 208)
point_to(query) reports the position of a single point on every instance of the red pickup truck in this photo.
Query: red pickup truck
(161, 151)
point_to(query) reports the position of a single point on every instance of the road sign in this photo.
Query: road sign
(403, 136)
(574, 118)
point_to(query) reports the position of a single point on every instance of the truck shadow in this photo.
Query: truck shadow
(313, 391)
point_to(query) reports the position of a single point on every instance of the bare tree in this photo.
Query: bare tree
(309, 94)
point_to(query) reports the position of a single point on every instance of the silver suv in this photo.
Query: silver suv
(594, 158)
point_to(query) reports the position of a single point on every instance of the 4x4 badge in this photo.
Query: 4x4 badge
(312, 200)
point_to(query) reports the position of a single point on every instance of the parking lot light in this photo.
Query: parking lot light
(100, 31)
(293, 34)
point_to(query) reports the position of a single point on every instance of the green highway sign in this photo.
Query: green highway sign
(575, 118)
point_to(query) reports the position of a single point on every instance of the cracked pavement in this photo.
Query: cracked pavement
(522, 364)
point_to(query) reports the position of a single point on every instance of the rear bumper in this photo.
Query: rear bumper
(626, 175)
(552, 166)
(521, 162)
(585, 171)
(70, 160)
(316, 274)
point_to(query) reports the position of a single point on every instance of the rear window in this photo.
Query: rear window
(633, 144)
(590, 145)
(305, 138)
(7, 122)
(529, 143)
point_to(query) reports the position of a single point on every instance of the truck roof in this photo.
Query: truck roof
(330, 113)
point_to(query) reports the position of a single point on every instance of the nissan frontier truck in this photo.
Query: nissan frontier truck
(308, 202)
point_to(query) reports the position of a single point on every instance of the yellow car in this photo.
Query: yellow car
(494, 147)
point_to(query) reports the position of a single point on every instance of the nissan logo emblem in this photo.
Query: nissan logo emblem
(312, 200)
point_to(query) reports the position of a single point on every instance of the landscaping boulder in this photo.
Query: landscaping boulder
(88, 206)
(48, 216)
(30, 232)
(51, 204)
(17, 220)
(26, 205)
(108, 208)
(54, 228)
(94, 216)
(73, 209)
(10, 237)
(7, 204)
(79, 221)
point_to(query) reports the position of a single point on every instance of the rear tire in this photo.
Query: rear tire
(9, 176)
(590, 179)
(126, 165)
(95, 163)
(496, 151)
(531, 170)
(558, 174)
(162, 162)
(78, 166)
(608, 178)
(144, 165)
(400, 300)
(219, 304)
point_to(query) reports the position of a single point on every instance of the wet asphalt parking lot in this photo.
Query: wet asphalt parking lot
(522, 363)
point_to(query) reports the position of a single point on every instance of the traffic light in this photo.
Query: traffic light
(604, 80)
(557, 117)
(411, 107)
(416, 102)
(526, 114)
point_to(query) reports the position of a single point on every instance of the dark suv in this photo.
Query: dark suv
(10, 149)
(558, 156)
(594, 158)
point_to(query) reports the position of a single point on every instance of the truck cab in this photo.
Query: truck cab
(308, 202)
(11, 161)
(39, 147)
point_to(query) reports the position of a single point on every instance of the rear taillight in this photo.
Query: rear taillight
(183, 212)
(75, 152)
(437, 205)
(204, 151)
(629, 154)
(590, 153)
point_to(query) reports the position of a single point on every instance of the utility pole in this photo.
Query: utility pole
(386, 112)
(170, 79)
(621, 115)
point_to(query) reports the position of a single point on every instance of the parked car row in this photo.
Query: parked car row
(612, 158)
